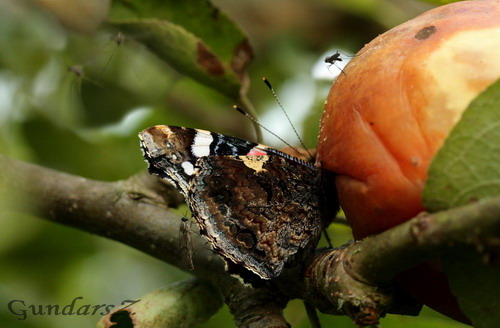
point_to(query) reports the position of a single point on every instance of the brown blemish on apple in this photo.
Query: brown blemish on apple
(425, 32)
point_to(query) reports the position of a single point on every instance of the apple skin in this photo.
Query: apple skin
(387, 116)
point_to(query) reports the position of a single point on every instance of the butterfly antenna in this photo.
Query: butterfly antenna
(266, 81)
(253, 119)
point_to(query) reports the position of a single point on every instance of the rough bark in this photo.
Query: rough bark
(353, 280)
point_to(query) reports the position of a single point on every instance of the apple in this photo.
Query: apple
(388, 115)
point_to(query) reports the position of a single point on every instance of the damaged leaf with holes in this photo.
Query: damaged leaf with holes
(210, 49)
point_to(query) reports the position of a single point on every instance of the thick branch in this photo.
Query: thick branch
(134, 212)
(357, 278)
(354, 280)
(426, 237)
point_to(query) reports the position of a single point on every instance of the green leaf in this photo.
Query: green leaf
(467, 167)
(209, 48)
(476, 287)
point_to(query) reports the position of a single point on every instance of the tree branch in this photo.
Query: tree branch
(426, 237)
(135, 212)
(354, 280)
(358, 277)
(182, 304)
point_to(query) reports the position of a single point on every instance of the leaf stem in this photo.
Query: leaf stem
(250, 109)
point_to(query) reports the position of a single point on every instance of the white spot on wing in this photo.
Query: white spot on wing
(201, 144)
(188, 168)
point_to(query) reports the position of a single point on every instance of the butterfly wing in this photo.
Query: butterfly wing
(258, 211)
(172, 151)
(257, 206)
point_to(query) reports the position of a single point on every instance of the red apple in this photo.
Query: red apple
(386, 117)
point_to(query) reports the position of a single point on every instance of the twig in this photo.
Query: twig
(358, 277)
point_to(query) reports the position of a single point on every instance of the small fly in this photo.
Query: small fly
(333, 59)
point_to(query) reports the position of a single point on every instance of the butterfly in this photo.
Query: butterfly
(260, 209)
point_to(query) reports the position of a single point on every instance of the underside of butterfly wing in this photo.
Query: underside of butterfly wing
(261, 212)
(172, 151)
(261, 209)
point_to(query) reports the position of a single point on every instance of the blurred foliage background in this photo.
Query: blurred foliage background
(75, 101)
